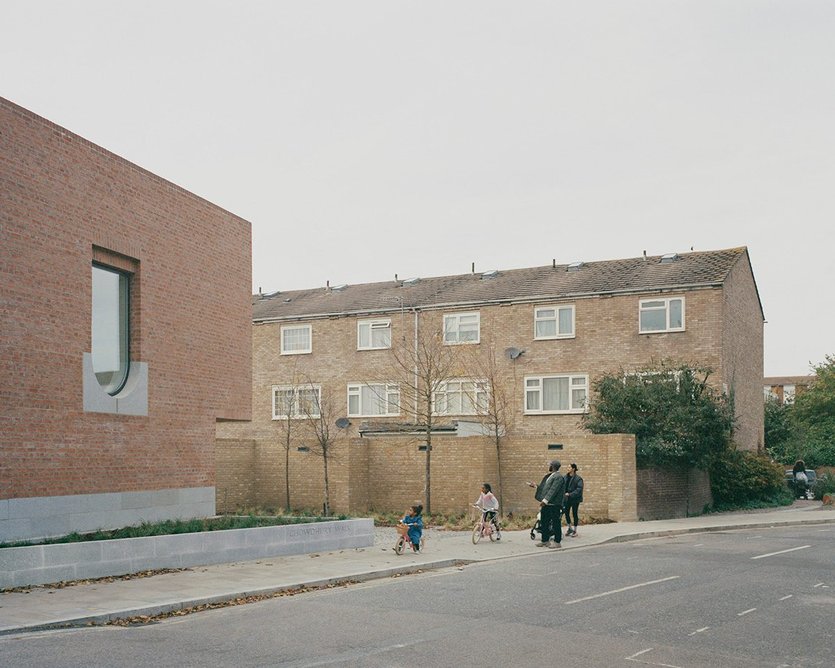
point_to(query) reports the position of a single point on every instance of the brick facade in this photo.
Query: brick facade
(65, 203)
(723, 331)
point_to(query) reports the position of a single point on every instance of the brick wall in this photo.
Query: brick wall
(664, 493)
(387, 474)
(64, 200)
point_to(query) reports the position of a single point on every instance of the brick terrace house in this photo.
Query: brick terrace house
(125, 335)
(556, 328)
(783, 389)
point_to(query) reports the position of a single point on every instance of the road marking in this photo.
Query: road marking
(698, 544)
(771, 554)
(649, 663)
(617, 591)
(745, 612)
(787, 597)
(701, 630)
(821, 584)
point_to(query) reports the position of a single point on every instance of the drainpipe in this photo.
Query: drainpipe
(416, 365)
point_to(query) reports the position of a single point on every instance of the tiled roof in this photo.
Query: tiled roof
(638, 274)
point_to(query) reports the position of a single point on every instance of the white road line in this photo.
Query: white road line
(701, 630)
(787, 597)
(617, 591)
(649, 663)
(745, 612)
(821, 584)
(698, 544)
(771, 554)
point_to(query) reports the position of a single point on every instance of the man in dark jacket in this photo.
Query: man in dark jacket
(551, 493)
(573, 498)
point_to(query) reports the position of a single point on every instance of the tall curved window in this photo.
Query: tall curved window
(111, 333)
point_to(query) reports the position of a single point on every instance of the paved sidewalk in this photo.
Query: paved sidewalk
(104, 601)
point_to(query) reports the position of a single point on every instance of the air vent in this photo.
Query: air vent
(339, 288)
(411, 281)
(669, 257)
(490, 274)
(575, 266)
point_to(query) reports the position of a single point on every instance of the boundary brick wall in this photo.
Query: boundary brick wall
(387, 474)
(664, 494)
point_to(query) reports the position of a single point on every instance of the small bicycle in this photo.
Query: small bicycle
(486, 527)
(403, 540)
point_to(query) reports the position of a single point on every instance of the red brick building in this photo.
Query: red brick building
(125, 329)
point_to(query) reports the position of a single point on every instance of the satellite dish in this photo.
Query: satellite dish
(513, 353)
(343, 422)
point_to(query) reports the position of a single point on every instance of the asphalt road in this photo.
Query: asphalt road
(737, 598)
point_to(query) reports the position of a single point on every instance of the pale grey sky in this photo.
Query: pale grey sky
(364, 139)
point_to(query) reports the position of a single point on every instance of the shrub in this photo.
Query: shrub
(825, 484)
(739, 478)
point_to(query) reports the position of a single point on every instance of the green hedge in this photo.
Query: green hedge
(739, 478)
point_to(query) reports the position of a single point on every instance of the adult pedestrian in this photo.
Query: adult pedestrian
(550, 502)
(573, 499)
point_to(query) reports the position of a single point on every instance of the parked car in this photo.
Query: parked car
(799, 489)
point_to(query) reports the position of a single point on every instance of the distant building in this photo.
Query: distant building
(783, 389)
(125, 330)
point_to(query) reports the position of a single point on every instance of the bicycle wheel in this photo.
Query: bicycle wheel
(494, 533)
(476, 533)
(399, 545)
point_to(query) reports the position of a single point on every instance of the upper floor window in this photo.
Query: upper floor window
(296, 401)
(556, 394)
(296, 339)
(373, 399)
(110, 328)
(661, 315)
(373, 334)
(461, 397)
(462, 328)
(554, 322)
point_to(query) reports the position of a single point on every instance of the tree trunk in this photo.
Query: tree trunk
(428, 472)
(287, 476)
(499, 475)
(327, 486)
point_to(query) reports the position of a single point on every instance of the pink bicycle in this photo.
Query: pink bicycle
(487, 526)
(403, 540)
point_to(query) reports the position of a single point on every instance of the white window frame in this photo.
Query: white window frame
(392, 397)
(297, 390)
(480, 396)
(537, 318)
(666, 308)
(455, 320)
(309, 349)
(375, 324)
(534, 385)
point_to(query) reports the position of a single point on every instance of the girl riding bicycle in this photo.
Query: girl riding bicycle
(489, 505)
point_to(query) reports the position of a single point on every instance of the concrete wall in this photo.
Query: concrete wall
(664, 493)
(66, 203)
(387, 474)
(40, 564)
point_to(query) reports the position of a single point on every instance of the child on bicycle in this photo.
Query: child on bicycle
(412, 524)
(489, 505)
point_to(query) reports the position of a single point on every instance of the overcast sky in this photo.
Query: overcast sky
(368, 139)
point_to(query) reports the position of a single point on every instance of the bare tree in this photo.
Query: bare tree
(496, 413)
(423, 362)
(320, 413)
(286, 412)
